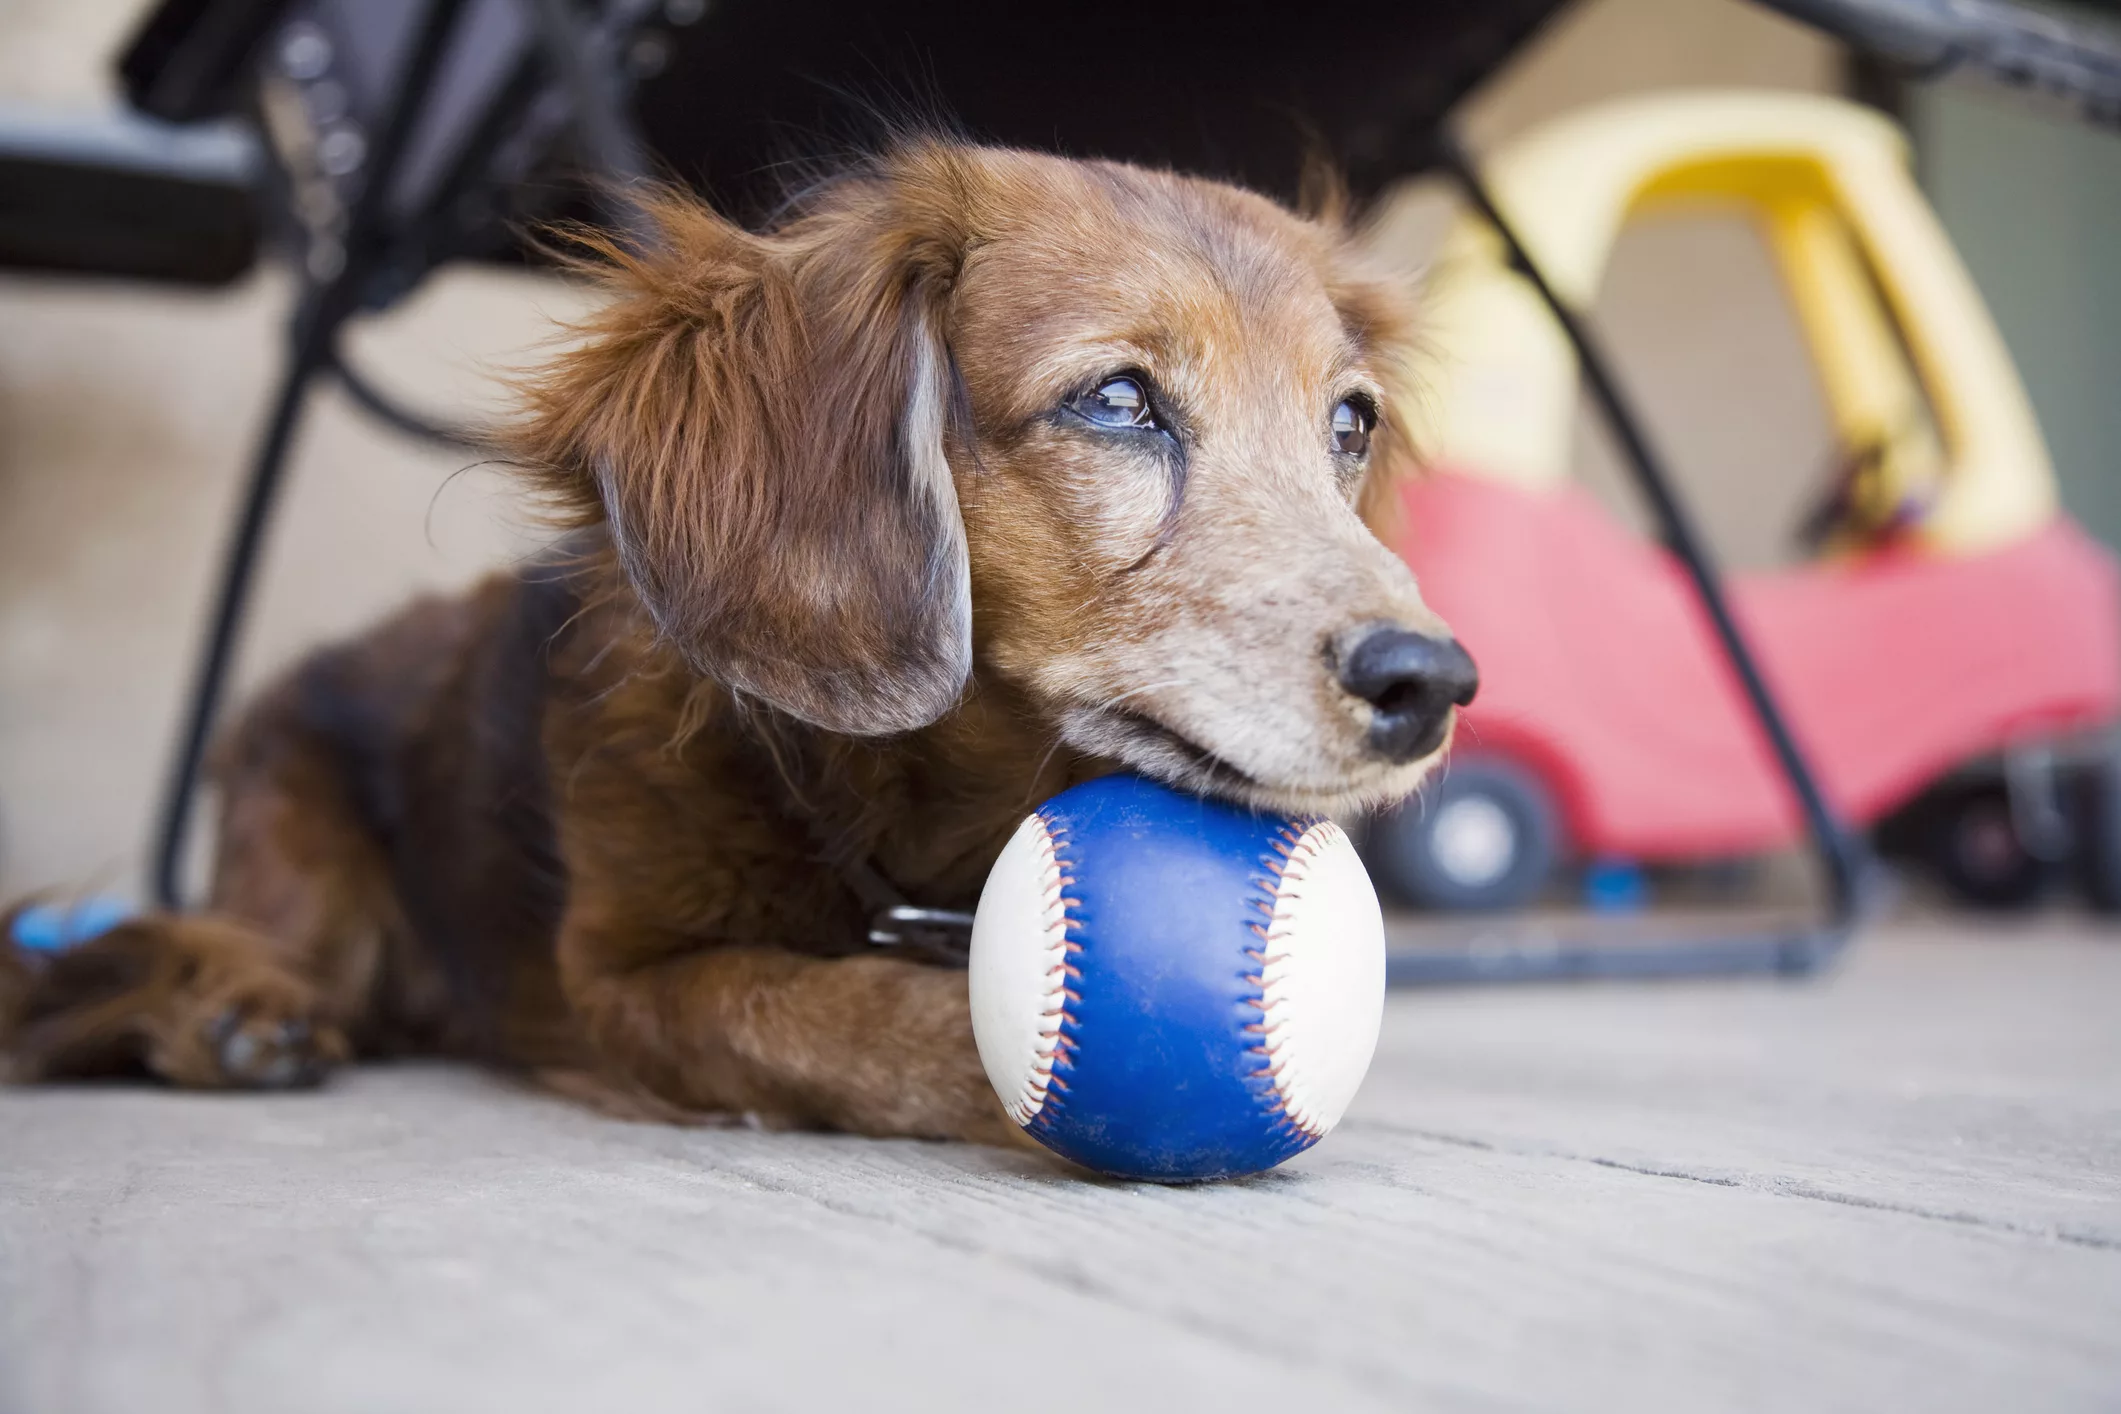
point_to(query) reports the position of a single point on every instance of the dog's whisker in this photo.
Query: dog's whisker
(1038, 773)
(1118, 698)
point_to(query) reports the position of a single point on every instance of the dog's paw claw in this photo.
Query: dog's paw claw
(259, 1051)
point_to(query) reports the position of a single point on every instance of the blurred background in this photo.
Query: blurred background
(128, 410)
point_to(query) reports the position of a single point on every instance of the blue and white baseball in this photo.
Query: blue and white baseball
(1171, 988)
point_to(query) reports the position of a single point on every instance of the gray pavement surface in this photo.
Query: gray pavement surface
(1897, 1189)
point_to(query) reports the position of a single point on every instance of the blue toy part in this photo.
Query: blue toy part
(1167, 920)
(1613, 885)
(53, 927)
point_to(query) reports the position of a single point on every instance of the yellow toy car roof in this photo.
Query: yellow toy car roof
(1503, 386)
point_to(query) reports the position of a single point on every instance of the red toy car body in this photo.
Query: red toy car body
(1955, 631)
(1599, 670)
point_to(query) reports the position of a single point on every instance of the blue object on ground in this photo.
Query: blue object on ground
(1615, 886)
(54, 927)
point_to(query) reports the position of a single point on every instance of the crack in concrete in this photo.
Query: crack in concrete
(1782, 1187)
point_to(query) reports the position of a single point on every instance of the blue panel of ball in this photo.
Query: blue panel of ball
(1161, 1070)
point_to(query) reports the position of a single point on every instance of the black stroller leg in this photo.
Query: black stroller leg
(268, 470)
(1843, 856)
(316, 329)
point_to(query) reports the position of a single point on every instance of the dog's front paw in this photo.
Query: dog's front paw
(261, 1051)
(257, 1030)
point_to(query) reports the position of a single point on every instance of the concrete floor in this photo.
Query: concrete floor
(1900, 1188)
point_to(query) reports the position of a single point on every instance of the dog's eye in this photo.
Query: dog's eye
(1117, 402)
(1351, 427)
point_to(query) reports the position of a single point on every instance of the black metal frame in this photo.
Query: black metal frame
(381, 254)
(1844, 858)
(2076, 60)
(321, 312)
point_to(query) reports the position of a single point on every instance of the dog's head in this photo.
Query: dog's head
(1103, 434)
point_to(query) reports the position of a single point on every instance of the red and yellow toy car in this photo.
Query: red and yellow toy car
(1951, 661)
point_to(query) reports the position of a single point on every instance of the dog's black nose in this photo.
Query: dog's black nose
(1413, 681)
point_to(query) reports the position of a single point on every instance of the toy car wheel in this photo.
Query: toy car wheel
(2098, 832)
(1481, 838)
(1980, 855)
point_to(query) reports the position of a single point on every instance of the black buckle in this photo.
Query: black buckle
(938, 935)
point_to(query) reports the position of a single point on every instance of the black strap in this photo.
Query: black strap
(937, 935)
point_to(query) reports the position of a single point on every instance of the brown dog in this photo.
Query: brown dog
(981, 473)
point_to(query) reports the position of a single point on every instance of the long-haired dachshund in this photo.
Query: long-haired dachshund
(980, 473)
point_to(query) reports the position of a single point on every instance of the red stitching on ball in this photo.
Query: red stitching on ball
(1045, 1079)
(1298, 850)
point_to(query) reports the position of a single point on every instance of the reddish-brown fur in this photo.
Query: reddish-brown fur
(841, 584)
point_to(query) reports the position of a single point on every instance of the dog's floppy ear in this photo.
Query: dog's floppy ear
(759, 419)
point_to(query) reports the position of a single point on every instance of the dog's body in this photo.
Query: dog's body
(982, 473)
